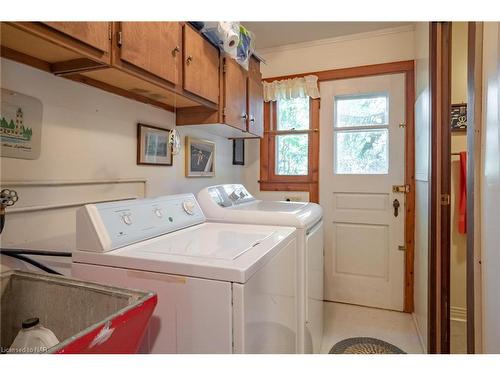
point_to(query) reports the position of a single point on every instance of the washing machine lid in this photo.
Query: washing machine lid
(219, 251)
(233, 203)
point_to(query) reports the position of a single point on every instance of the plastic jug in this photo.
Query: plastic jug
(33, 338)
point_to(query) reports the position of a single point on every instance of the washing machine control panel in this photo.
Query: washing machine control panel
(230, 195)
(122, 223)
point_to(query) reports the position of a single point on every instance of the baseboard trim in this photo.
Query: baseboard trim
(458, 313)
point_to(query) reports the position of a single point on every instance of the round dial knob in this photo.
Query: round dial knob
(188, 207)
(127, 219)
(158, 212)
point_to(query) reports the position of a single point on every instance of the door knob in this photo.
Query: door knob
(396, 205)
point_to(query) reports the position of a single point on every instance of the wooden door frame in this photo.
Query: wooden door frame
(474, 125)
(439, 188)
(440, 184)
(406, 67)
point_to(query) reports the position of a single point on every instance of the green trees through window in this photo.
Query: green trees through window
(361, 134)
(292, 150)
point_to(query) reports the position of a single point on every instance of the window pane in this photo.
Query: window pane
(362, 152)
(361, 110)
(292, 154)
(293, 114)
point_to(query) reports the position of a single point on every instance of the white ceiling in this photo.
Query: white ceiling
(272, 34)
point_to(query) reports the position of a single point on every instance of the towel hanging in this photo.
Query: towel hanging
(462, 205)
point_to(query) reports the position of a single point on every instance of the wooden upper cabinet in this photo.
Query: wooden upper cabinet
(93, 34)
(255, 100)
(201, 66)
(235, 95)
(154, 47)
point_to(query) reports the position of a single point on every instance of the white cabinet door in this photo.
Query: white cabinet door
(362, 157)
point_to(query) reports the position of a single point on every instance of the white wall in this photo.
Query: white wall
(490, 184)
(355, 50)
(89, 134)
(459, 62)
(422, 157)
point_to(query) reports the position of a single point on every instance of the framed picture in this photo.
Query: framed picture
(153, 147)
(200, 158)
(458, 117)
(20, 125)
(238, 152)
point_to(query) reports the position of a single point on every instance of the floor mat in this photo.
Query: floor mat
(364, 345)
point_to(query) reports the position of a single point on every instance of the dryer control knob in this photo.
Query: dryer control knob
(188, 207)
(127, 219)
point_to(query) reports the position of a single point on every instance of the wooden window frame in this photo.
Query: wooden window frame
(407, 67)
(269, 180)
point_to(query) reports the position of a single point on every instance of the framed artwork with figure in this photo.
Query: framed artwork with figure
(459, 117)
(200, 158)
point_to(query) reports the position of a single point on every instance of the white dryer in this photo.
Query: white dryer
(232, 203)
(222, 288)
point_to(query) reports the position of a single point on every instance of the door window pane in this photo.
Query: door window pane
(362, 152)
(293, 114)
(361, 110)
(292, 154)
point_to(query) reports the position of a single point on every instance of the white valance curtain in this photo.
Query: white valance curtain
(292, 88)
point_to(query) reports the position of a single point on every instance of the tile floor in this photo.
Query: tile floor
(343, 321)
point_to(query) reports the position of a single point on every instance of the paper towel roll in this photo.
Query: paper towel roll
(230, 37)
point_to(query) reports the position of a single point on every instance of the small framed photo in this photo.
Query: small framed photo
(238, 151)
(459, 117)
(153, 147)
(200, 158)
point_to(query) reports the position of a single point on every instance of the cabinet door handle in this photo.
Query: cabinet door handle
(252, 119)
(176, 50)
(244, 116)
(189, 60)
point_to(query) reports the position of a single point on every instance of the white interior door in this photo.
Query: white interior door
(362, 156)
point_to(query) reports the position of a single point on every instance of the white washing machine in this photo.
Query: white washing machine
(222, 288)
(232, 203)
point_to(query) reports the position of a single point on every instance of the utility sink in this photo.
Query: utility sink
(86, 317)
